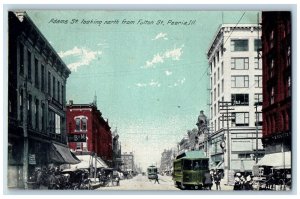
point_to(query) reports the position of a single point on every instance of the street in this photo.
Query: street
(142, 183)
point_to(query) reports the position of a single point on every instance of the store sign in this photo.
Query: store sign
(31, 159)
(81, 137)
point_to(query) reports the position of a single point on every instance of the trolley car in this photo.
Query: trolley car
(189, 169)
(152, 172)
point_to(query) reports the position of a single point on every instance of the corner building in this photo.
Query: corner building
(235, 73)
(36, 102)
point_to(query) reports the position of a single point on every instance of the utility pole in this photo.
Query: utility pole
(256, 126)
(226, 116)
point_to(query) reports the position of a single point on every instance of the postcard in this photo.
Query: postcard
(149, 100)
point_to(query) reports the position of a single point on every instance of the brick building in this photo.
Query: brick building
(89, 132)
(276, 56)
(36, 102)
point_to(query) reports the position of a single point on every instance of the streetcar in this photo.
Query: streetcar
(189, 169)
(152, 172)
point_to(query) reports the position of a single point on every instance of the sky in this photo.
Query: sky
(148, 69)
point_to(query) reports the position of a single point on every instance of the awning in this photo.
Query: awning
(62, 155)
(87, 161)
(276, 160)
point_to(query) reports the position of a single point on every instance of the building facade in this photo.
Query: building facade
(166, 161)
(235, 73)
(88, 132)
(277, 88)
(128, 162)
(36, 102)
(117, 160)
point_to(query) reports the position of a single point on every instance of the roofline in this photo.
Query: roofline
(221, 26)
(26, 16)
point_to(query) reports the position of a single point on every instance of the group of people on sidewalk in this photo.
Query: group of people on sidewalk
(242, 183)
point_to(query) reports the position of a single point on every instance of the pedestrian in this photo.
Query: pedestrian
(237, 182)
(248, 183)
(207, 180)
(217, 179)
(156, 179)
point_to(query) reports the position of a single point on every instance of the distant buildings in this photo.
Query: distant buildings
(166, 161)
(128, 164)
(235, 87)
(116, 150)
(37, 77)
(88, 132)
(277, 84)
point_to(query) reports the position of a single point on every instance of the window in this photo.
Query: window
(29, 64)
(258, 119)
(239, 45)
(62, 94)
(240, 63)
(257, 65)
(222, 49)
(240, 81)
(43, 77)
(58, 91)
(272, 96)
(36, 72)
(257, 44)
(51, 118)
(43, 117)
(57, 124)
(53, 87)
(21, 58)
(217, 53)
(215, 110)
(215, 80)
(49, 83)
(289, 56)
(271, 69)
(271, 42)
(37, 114)
(222, 68)
(215, 94)
(77, 121)
(240, 99)
(29, 110)
(241, 118)
(218, 73)
(21, 105)
(258, 98)
(78, 145)
(218, 90)
(81, 123)
(222, 85)
(289, 86)
(84, 123)
(258, 81)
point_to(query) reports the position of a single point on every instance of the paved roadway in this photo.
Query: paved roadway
(142, 183)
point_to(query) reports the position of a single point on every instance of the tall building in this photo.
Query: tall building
(128, 162)
(36, 102)
(235, 72)
(277, 88)
(88, 132)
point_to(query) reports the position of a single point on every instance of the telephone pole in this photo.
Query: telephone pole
(226, 116)
(256, 126)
